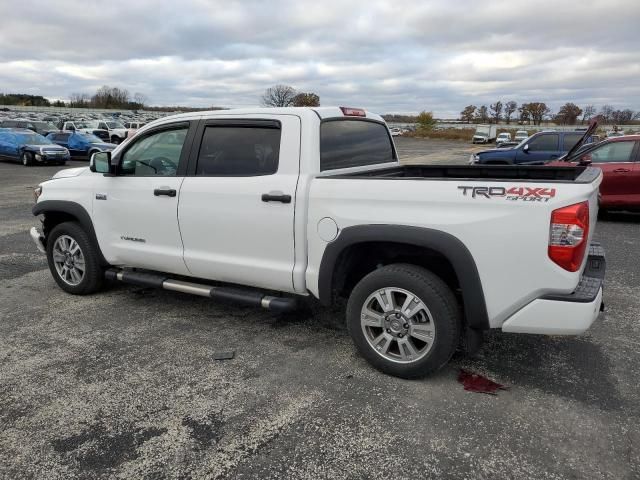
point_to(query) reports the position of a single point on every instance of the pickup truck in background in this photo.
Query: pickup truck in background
(420, 253)
(534, 150)
(484, 134)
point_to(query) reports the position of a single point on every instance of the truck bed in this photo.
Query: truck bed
(485, 172)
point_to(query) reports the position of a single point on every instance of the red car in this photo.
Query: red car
(619, 159)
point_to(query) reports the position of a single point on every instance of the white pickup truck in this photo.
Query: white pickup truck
(267, 206)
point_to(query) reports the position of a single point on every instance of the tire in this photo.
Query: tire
(27, 159)
(115, 140)
(439, 322)
(92, 278)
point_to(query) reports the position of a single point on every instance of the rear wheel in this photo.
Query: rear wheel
(115, 140)
(27, 159)
(73, 260)
(404, 320)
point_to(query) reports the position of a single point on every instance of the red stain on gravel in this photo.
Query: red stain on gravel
(473, 382)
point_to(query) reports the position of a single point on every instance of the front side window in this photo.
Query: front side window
(544, 143)
(239, 151)
(157, 154)
(570, 141)
(613, 152)
(354, 143)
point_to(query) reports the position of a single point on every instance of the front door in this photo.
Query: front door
(616, 159)
(136, 211)
(237, 205)
(539, 148)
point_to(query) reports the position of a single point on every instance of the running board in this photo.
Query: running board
(252, 298)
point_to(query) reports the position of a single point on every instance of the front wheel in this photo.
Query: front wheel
(404, 320)
(73, 260)
(27, 159)
(115, 140)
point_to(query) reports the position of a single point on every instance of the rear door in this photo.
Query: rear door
(237, 204)
(539, 148)
(616, 159)
(136, 211)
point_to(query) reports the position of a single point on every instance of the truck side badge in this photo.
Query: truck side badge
(101, 196)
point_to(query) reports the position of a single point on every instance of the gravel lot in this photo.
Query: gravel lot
(123, 384)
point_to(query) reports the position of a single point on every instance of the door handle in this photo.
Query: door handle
(276, 197)
(169, 192)
(621, 170)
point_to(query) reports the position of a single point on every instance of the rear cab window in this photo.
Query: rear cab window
(544, 142)
(354, 143)
(570, 140)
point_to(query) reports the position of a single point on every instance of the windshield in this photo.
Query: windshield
(45, 125)
(89, 137)
(32, 139)
(115, 125)
(83, 125)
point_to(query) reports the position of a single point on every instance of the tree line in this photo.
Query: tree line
(104, 97)
(287, 96)
(536, 112)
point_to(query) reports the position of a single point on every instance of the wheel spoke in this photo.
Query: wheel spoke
(407, 350)
(385, 299)
(74, 275)
(415, 309)
(58, 257)
(422, 331)
(382, 342)
(407, 302)
(371, 318)
(74, 248)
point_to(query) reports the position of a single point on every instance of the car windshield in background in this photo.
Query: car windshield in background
(354, 143)
(89, 137)
(83, 125)
(33, 139)
(44, 125)
(114, 125)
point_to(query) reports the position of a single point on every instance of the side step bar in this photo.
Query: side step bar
(252, 298)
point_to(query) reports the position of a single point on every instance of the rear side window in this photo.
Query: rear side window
(613, 152)
(354, 143)
(570, 141)
(544, 143)
(238, 151)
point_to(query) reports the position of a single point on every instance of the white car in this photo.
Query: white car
(503, 138)
(521, 135)
(395, 132)
(266, 207)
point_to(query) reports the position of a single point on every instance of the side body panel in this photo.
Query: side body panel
(508, 239)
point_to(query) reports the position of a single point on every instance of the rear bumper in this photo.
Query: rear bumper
(565, 314)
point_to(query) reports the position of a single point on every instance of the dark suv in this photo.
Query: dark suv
(537, 149)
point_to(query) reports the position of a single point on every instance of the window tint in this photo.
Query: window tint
(239, 151)
(570, 140)
(353, 143)
(103, 126)
(613, 152)
(543, 143)
(155, 155)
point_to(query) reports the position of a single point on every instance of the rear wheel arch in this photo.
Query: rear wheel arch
(59, 211)
(445, 255)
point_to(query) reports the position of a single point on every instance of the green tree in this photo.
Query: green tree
(426, 122)
(509, 109)
(468, 113)
(568, 114)
(496, 111)
(306, 100)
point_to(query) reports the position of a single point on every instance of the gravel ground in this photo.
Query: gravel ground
(123, 384)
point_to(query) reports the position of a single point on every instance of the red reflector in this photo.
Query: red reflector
(353, 112)
(568, 235)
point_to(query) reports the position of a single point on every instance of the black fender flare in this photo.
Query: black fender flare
(75, 210)
(444, 243)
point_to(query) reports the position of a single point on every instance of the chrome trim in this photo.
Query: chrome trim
(187, 287)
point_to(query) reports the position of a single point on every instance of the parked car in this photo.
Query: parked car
(81, 145)
(28, 147)
(619, 160)
(484, 134)
(395, 132)
(117, 131)
(534, 150)
(43, 128)
(521, 135)
(186, 197)
(86, 127)
(503, 137)
(614, 133)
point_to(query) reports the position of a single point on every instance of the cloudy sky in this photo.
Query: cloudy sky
(388, 56)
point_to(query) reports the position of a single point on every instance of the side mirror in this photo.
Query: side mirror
(585, 159)
(100, 162)
(525, 149)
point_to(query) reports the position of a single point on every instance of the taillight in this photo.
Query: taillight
(353, 112)
(568, 235)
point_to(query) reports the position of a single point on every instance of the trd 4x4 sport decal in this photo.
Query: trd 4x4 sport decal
(526, 194)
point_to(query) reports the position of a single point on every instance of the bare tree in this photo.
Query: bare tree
(483, 114)
(605, 113)
(568, 114)
(496, 111)
(538, 110)
(79, 100)
(278, 96)
(509, 109)
(140, 99)
(588, 112)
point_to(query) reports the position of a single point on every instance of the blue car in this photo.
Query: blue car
(29, 148)
(535, 150)
(80, 145)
